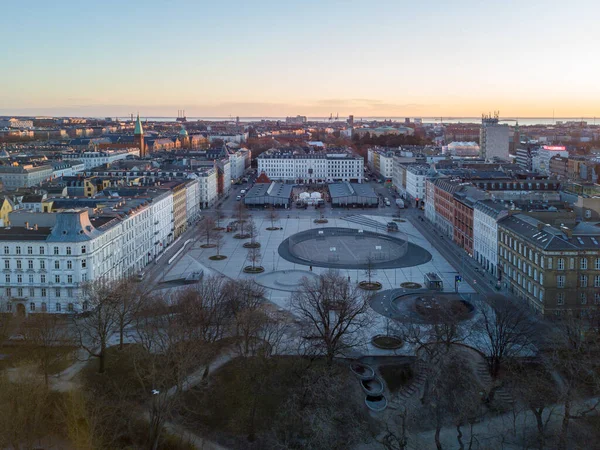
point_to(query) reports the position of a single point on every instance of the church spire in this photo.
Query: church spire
(138, 127)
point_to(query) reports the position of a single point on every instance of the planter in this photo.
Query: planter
(208, 246)
(257, 269)
(373, 386)
(376, 403)
(217, 257)
(372, 286)
(321, 221)
(241, 236)
(387, 342)
(411, 285)
(362, 371)
(251, 245)
(273, 228)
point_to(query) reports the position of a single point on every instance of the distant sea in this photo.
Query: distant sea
(447, 120)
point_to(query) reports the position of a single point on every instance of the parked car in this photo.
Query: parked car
(238, 198)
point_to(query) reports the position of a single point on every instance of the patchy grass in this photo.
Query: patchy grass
(396, 376)
(225, 406)
(23, 353)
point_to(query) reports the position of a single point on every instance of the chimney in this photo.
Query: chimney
(567, 231)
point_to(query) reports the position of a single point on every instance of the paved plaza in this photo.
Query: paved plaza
(273, 263)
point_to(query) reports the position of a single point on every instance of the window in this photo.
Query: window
(8, 292)
(41, 250)
(44, 307)
(57, 278)
(597, 298)
(8, 306)
(19, 265)
(70, 307)
(42, 278)
(70, 292)
(7, 278)
(583, 263)
(31, 292)
(582, 298)
(57, 265)
(596, 280)
(83, 264)
(32, 306)
(19, 278)
(549, 263)
(560, 281)
(30, 250)
(57, 292)
(68, 250)
(69, 278)
(20, 292)
(583, 280)
(84, 306)
(31, 281)
(84, 277)
(571, 263)
(18, 250)
(560, 264)
(56, 250)
(42, 264)
(69, 265)
(6, 250)
(58, 307)
(597, 264)
(30, 264)
(560, 298)
(43, 292)
(7, 264)
(83, 249)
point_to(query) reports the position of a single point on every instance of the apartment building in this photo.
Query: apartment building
(381, 161)
(486, 214)
(28, 175)
(555, 269)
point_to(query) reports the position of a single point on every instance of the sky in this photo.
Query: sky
(461, 58)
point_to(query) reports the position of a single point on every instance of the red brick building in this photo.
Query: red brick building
(444, 190)
(464, 200)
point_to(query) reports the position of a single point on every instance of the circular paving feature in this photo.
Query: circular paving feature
(284, 280)
(421, 306)
(347, 248)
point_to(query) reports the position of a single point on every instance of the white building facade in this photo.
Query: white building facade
(99, 158)
(415, 181)
(485, 234)
(311, 167)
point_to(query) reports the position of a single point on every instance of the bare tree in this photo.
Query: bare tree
(218, 240)
(48, 334)
(240, 214)
(207, 231)
(273, 217)
(26, 407)
(100, 322)
(252, 232)
(507, 329)
(219, 216)
(129, 297)
(254, 256)
(369, 269)
(334, 314)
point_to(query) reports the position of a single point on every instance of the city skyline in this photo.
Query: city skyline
(316, 58)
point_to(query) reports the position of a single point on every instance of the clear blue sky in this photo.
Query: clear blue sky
(241, 57)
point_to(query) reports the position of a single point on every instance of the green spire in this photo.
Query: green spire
(138, 126)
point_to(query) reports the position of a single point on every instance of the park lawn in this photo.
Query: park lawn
(223, 408)
(22, 353)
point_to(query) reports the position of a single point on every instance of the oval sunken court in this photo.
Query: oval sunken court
(348, 248)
